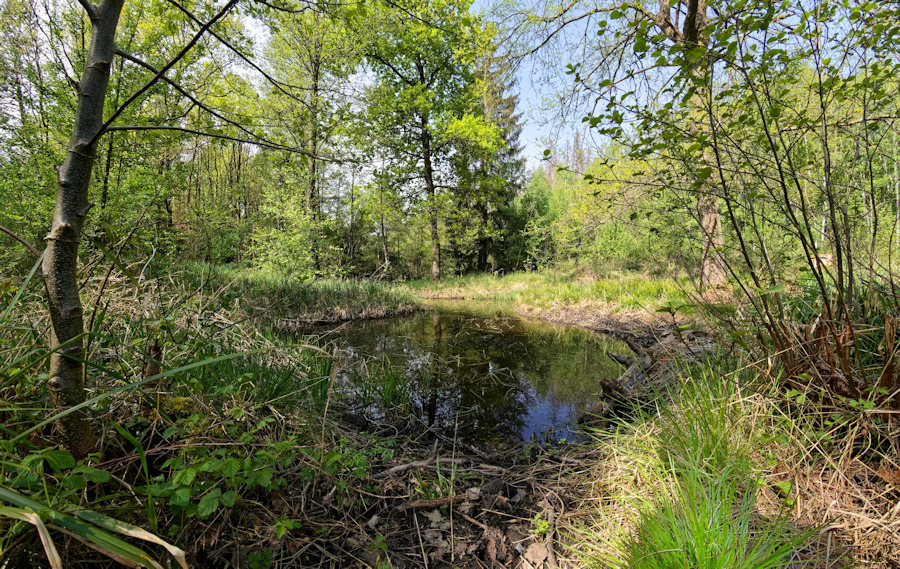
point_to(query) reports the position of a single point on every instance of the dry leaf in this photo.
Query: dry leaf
(536, 554)
(889, 475)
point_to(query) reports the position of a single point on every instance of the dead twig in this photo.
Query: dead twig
(404, 467)
(431, 504)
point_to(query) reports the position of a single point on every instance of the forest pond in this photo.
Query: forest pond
(484, 377)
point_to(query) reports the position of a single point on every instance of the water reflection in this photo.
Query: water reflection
(490, 378)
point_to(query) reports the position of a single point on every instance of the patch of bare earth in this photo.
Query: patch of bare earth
(600, 317)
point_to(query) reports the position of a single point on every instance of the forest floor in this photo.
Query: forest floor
(254, 462)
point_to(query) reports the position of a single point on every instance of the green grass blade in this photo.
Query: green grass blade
(22, 288)
(35, 520)
(123, 528)
(133, 385)
(115, 261)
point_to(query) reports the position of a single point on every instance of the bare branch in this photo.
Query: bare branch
(662, 21)
(390, 66)
(562, 26)
(260, 143)
(27, 245)
(89, 8)
(280, 85)
(284, 8)
(159, 75)
(844, 123)
(191, 97)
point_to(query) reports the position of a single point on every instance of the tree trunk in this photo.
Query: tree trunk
(430, 188)
(435, 248)
(60, 264)
(712, 271)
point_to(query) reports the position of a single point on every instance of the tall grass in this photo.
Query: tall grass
(277, 296)
(42, 487)
(385, 387)
(684, 482)
(709, 521)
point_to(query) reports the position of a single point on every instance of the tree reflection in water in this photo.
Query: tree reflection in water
(488, 378)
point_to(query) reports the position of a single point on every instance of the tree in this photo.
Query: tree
(60, 264)
(421, 101)
(616, 70)
(489, 177)
(60, 258)
(313, 53)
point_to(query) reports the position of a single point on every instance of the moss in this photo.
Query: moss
(180, 407)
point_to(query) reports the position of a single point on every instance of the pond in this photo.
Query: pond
(483, 377)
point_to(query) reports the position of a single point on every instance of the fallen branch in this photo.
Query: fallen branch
(431, 504)
(404, 467)
(472, 520)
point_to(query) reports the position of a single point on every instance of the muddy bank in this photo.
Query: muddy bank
(644, 327)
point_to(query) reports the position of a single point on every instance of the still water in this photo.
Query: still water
(483, 377)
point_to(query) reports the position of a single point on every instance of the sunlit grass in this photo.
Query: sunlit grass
(621, 292)
(683, 485)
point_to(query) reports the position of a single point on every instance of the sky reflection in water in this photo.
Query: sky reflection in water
(503, 379)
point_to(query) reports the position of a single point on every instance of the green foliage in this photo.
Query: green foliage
(718, 437)
(294, 298)
(710, 521)
(544, 288)
(283, 247)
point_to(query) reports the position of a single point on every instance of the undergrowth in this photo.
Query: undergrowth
(201, 417)
(722, 471)
(276, 296)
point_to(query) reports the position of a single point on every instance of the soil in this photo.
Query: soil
(643, 327)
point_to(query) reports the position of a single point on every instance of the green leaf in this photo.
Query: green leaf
(181, 497)
(59, 459)
(185, 477)
(209, 503)
(230, 467)
(783, 487)
(228, 498)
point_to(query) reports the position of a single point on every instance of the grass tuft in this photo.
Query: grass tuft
(685, 484)
(709, 521)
